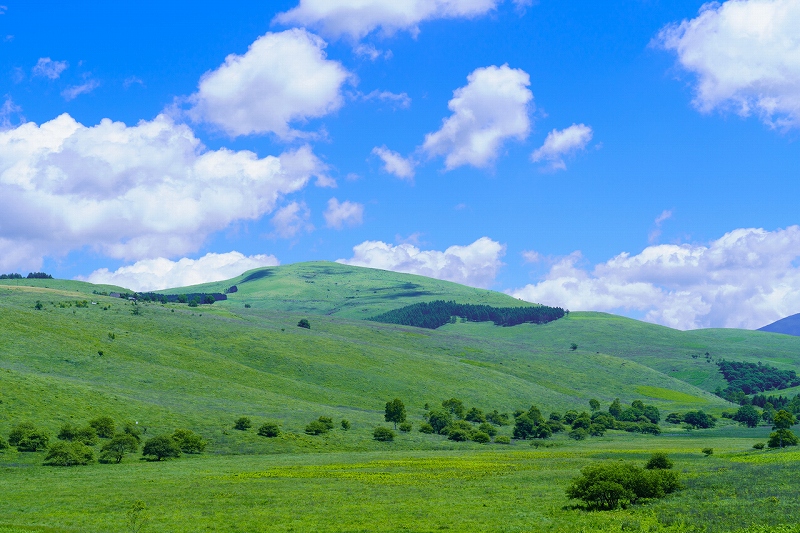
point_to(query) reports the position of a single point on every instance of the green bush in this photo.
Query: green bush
(579, 434)
(327, 421)
(610, 485)
(20, 431)
(659, 461)
(87, 434)
(426, 428)
(458, 435)
(104, 426)
(481, 437)
(758, 446)
(3, 444)
(405, 427)
(316, 428)
(161, 447)
(188, 441)
(345, 424)
(65, 453)
(242, 423)
(502, 439)
(707, 451)
(488, 428)
(28, 438)
(304, 323)
(269, 429)
(114, 450)
(383, 434)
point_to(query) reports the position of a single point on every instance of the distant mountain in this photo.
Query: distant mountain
(788, 326)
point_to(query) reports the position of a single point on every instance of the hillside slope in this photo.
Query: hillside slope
(788, 326)
(170, 365)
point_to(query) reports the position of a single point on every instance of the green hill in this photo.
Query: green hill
(201, 367)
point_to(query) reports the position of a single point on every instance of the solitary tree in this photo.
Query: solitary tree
(114, 450)
(395, 412)
(594, 405)
(747, 415)
(304, 323)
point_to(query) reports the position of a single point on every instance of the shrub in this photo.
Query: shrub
(488, 429)
(269, 429)
(707, 451)
(114, 450)
(439, 420)
(69, 454)
(674, 418)
(758, 446)
(498, 419)
(242, 423)
(781, 438)
(383, 434)
(316, 428)
(189, 441)
(458, 435)
(304, 323)
(133, 430)
(481, 437)
(27, 438)
(475, 415)
(327, 421)
(502, 439)
(607, 486)
(161, 447)
(426, 428)
(20, 431)
(87, 435)
(405, 427)
(345, 425)
(104, 426)
(454, 406)
(699, 419)
(597, 430)
(3, 444)
(578, 434)
(659, 461)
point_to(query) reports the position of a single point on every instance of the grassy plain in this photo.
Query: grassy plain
(174, 366)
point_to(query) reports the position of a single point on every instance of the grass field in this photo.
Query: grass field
(171, 366)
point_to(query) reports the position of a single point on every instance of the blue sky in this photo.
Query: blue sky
(637, 157)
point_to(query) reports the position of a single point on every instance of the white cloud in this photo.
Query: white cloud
(161, 273)
(745, 55)
(283, 78)
(660, 219)
(47, 68)
(395, 164)
(7, 112)
(560, 144)
(746, 279)
(74, 91)
(369, 51)
(343, 214)
(132, 192)
(358, 18)
(400, 100)
(291, 220)
(475, 265)
(490, 109)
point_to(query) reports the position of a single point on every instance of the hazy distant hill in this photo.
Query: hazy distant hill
(788, 326)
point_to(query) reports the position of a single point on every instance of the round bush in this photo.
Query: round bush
(269, 429)
(758, 446)
(502, 439)
(578, 434)
(481, 437)
(458, 435)
(316, 428)
(189, 441)
(425, 428)
(69, 454)
(243, 423)
(345, 425)
(104, 426)
(383, 434)
(161, 447)
(659, 461)
(405, 427)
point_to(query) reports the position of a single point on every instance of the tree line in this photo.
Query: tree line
(752, 378)
(31, 275)
(432, 315)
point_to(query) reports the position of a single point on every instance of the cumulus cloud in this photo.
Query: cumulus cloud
(395, 164)
(74, 91)
(745, 279)
(475, 265)
(292, 220)
(343, 214)
(561, 143)
(161, 273)
(47, 68)
(283, 78)
(492, 108)
(745, 55)
(133, 192)
(358, 18)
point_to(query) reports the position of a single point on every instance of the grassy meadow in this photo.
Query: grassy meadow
(168, 366)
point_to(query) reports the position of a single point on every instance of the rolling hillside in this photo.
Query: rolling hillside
(172, 365)
(788, 326)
